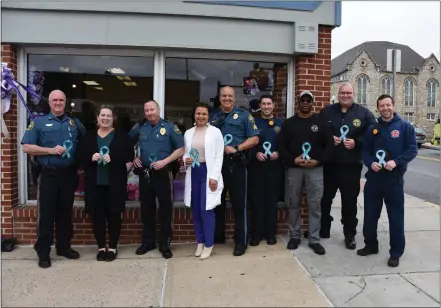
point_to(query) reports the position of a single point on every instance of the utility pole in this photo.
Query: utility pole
(394, 65)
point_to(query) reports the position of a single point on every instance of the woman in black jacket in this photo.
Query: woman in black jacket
(103, 153)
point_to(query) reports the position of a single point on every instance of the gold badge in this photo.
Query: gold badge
(71, 122)
(162, 131)
(31, 126)
(356, 122)
(271, 123)
(235, 116)
(277, 129)
(177, 130)
(375, 131)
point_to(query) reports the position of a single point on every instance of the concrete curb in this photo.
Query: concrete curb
(430, 146)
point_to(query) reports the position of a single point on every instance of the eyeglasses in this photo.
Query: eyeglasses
(345, 93)
(306, 101)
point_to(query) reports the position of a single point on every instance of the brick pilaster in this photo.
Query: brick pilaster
(9, 163)
(313, 73)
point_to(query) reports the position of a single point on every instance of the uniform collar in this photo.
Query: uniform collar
(235, 109)
(51, 116)
(160, 123)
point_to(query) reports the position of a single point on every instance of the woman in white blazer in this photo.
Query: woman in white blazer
(203, 179)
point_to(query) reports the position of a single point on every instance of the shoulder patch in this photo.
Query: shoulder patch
(277, 129)
(251, 118)
(177, 130)
(31, 126)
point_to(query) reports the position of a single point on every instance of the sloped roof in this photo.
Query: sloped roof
(378, 52)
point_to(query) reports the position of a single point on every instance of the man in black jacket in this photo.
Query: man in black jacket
(348, 122)
(304, 144)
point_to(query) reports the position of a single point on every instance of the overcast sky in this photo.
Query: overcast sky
(412, 23)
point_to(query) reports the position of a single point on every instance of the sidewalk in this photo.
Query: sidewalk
(266, 276)
(349, 280)
(428, 145)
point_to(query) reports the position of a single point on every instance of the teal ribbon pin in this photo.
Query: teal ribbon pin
(67, 145)
(344, 130)
(267, 147)
(381, 155)
(152, 158)
(228, 138)
(195, 155)
(104, 150)
(306, 148)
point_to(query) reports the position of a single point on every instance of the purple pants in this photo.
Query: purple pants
(204, 221)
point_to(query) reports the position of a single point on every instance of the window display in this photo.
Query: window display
(123, 82)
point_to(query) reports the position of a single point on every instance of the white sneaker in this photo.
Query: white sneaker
(199, 250)
(206, 253)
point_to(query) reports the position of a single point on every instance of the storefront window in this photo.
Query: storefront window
(189, 81)
(124, 82)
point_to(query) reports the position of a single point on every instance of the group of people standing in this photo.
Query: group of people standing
(230, 152)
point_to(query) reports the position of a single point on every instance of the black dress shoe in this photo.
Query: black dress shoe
(393, 261)
(293, 244)
(367, 250)
(271, 241)
(68, 253)
(318, 248)
(44, 261)
(165, 251)
(144, 248)
(350, 243)
(110, 255)
(239, 250)
(101, 255)
(254, 242)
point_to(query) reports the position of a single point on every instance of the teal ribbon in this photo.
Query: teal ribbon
(152, 158)
(267, 147)
(306, 148)
(228, 138)
(344, 130)
(195, 155)
(104, 150)
(381, 155)
(67, 145)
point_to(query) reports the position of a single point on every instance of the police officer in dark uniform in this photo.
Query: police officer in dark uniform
(53, 139)
(265, 175)
(161, 143)
(240, 134)
(348, 122)
(389, 146)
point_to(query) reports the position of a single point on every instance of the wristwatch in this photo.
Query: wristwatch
(237, 148)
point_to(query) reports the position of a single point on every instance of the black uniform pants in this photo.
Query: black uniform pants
(234, 174)
(346, 178)
(55, 202)
(103, 215)
(265, 185)
(156, 184)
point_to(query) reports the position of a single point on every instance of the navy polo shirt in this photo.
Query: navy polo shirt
(160, 140)
(239, 123)
(48, 131)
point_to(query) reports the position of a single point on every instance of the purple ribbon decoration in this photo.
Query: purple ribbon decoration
(8, 87)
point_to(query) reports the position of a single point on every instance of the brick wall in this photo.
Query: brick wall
(312, 73)
(9, 170)
(25, 219)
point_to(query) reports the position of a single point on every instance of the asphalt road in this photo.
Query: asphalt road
(422, 179)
